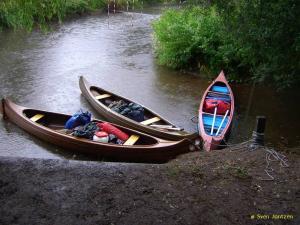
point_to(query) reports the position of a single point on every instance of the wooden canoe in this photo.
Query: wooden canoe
(152, 124)
(48, 127)
(219, 89)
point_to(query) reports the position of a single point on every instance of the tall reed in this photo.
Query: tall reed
(24, 14)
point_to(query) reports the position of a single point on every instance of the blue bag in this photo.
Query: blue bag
(79, 118)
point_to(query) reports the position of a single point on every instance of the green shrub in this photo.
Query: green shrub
(193, 37)
(268, 34)
(250, 40)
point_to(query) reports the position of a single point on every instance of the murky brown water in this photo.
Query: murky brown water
(42, 70)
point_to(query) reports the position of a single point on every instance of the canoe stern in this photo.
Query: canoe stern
(210, 143)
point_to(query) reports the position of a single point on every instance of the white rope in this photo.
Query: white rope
(273, 156)
(270, 156)
(249, 145)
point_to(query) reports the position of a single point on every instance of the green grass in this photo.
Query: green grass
(194, 171)
(237, 171)
(25, 14)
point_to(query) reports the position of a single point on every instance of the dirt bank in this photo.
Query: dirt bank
(197, 188)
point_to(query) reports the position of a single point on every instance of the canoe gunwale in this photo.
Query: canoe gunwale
(124, 121)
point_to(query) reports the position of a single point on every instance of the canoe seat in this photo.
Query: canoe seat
(218, 96)
(98, 97)
(208, 120)
(222, 89)
(218, 93)
(132, 139)
(36, 117)
(149, 121)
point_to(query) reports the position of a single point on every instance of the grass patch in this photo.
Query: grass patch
(237, 171)
(25, 14)
(193, 171)
(174, 171)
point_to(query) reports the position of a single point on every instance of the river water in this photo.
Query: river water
(42, 70)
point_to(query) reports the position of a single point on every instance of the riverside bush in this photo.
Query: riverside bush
(193, 37)
(268, 35)
(251, 40)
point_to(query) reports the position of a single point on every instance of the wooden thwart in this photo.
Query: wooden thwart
(102, 96)
(149, 121)
(36, 117)
(218, 93)
(132, 139)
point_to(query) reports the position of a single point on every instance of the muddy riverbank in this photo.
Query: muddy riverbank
(221, 187)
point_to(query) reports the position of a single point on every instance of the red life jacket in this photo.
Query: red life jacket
(211, 104)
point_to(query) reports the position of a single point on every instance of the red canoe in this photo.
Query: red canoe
(214, 123)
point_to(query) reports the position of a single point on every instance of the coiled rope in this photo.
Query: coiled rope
(273, 156)
(253, 144)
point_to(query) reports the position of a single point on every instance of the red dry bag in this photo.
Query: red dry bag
(211, 104)
(108, 128)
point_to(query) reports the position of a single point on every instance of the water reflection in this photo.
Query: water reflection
(282, 113)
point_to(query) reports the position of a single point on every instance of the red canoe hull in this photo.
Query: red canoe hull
(213, 142)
